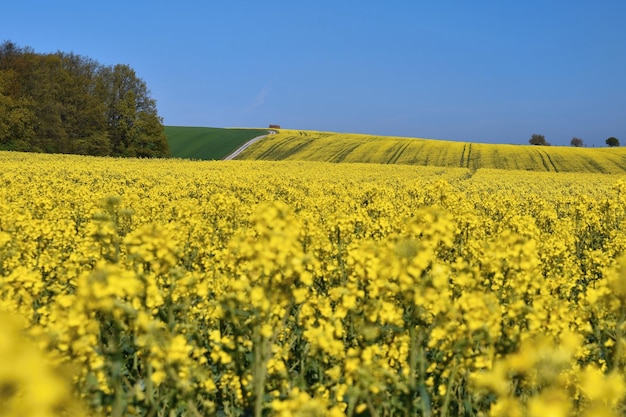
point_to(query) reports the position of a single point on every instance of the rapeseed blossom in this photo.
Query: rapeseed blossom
(197, 288)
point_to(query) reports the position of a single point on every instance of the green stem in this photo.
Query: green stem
(370, 406)
(421, 357)
(446, 400)
(259, 369)
(619, 335)
(426, 412)
(149, 389)
(119, 403)
(414, 358)
(117, 410)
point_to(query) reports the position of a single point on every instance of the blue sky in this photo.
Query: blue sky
(481, 71)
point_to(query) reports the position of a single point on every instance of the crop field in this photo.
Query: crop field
(337, 147)
(169, 287)
(207, 143)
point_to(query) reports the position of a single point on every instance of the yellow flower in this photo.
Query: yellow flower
(179, 350)
(496, 380)
(551, 403)
(608, 389)
(506, 407)
(158, 377)
(300, 295)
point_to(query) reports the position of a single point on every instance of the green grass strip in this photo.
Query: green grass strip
(207, 143)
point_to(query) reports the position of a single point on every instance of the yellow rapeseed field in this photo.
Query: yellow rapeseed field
(340, 147)
(168, 287)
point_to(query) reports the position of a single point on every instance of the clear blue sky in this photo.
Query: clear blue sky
(484, 71)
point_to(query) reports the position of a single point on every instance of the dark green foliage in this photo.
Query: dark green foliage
(207, 143)
(65, 103)
(539, 140)
(612, 142)
(577, 142)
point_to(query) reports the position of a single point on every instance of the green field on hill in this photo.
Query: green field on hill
(207, 143)
(358, 148)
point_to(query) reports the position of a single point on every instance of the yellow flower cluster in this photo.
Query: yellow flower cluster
(29, 384)
(236, 287)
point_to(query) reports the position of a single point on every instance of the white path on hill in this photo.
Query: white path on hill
(246, 145)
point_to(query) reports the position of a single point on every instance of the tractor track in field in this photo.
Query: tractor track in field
(547, 164)
(246, 145)
(462, 155)
(551, 162)
(396, 155)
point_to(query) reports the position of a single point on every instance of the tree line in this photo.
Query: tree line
(66, 103)
(540, 140)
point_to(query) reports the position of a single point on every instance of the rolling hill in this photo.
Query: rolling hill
(358, 148)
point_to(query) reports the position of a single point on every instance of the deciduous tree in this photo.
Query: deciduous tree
(131, 115)
(16, 116)
(66, 103)
(577, 142)
(537, 139)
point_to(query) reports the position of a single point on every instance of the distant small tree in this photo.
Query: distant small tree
(577, 142)
(537, 139)
(612, 142)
